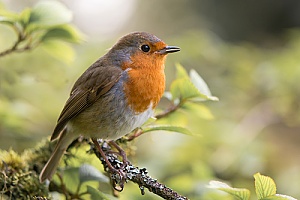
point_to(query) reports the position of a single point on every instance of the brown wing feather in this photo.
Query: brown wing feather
(87, 89)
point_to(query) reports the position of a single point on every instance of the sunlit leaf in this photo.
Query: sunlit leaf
(71, 176)
(199, 110)
(280, 197)
(5, 13)
(180, 71)
(240, 193)
(177, 129)
(59, 50)
(49, 13)
(178, 118)
(96, 194)
(264, 186)
(63, 32)
(7, 20)
(200, 84)
(183, 87)
(8, 17)
(90, 173)
(25, 16)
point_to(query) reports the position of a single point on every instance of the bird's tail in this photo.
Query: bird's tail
(52, 164)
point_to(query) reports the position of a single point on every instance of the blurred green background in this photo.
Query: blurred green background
(248, 52)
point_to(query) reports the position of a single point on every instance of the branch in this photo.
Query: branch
(16, 47)
(136, 175)
(10, 50)
(171, 109)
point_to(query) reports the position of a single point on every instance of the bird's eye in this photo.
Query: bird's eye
(145, 48)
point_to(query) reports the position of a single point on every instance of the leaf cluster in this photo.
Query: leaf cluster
(46, 24)
(265, 188)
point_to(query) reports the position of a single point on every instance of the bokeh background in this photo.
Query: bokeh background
(248, 52)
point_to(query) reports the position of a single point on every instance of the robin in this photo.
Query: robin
(115, 95)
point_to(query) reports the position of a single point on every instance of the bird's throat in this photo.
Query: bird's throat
(144, 88)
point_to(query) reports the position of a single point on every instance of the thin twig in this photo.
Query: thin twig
(136, 134)
(172, 108)
(16, 47)
(10, 50)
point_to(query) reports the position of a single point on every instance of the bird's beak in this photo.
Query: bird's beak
(169, 49)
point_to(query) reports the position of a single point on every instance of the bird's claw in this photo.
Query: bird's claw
(118, 178)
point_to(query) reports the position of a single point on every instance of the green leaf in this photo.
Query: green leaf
(180, 71)
(178, 118)
(264, 186)
(185, 87)
(6, 20)
(4, 12)
(59, 50)
(7, 17)
(200, 84)
(50, 13)
(25, 16)
(199, 110)
(240, 193)
(177, 129)
(182, 87)
(96, 194)
(89, 173)
(280, 197)
(63, 32)
(71, 176)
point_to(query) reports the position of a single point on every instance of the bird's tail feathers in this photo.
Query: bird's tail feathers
(52, 164)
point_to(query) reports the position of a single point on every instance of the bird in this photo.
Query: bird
(114, 96)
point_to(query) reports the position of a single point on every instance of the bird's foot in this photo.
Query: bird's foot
(116, 169)
(121, 152)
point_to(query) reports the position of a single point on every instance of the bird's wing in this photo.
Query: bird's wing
(88, 88)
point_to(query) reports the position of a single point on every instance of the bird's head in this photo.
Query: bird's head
(141, 50)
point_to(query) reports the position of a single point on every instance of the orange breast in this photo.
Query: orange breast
(146, 82)
(144, 89)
